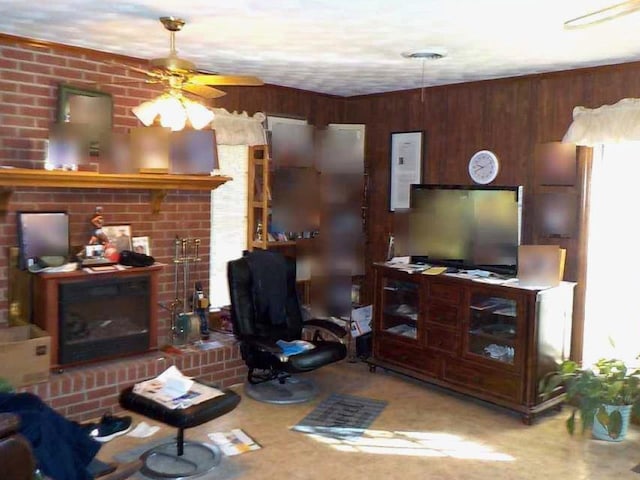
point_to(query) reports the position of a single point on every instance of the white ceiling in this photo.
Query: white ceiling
(341, 47)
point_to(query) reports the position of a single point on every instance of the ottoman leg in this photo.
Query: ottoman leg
(180, 442)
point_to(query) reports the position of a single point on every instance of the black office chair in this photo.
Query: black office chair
(264, 309)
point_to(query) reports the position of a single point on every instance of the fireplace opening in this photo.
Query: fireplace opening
(103, 319)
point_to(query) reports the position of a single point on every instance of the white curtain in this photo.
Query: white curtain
(238, 128)
(607, 124)
(234, 133)
(611, 328)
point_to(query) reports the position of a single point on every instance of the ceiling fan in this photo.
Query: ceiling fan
(604, 14)
(178, 74)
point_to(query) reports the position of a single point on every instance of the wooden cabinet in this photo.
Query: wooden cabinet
(493, 342)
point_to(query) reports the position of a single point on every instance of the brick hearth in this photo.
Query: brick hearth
(87, 392)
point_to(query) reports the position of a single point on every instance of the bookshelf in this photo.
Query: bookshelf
(259, 201)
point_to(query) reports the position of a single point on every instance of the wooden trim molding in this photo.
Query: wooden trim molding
(157, 184)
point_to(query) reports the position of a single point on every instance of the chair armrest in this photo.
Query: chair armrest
(9, 423)
(332, 327)
(263, 344)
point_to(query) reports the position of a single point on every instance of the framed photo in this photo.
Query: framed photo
(405, 167)
(94, 251)
(141, 245)
(119, 237)
(92, 109)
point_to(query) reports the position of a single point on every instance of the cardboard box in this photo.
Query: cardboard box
(541, 265)
(25, 355)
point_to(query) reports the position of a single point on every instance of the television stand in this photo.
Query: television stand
(489, 341)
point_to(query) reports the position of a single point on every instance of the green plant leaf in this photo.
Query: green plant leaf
(571, 422)
(603, 417)
(615, 424)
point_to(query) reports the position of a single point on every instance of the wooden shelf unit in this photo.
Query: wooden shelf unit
(157, 184)
(258, 198)
(453, 332)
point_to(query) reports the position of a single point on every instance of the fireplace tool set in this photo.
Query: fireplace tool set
(189, 321)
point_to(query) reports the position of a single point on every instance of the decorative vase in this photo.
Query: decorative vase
(618, 423)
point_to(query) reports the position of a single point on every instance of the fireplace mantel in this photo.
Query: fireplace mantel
(157, 184)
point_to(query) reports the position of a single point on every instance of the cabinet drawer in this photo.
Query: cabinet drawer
(408, 357)
(442, 313)
(445, 293)
(498, 384)
(442, 339)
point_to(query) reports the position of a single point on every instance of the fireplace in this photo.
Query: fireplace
(105, 319)
(93, 317)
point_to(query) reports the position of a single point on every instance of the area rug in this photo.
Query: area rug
(341, 416)
(227, 469)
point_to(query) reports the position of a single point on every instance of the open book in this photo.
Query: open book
(174, 390)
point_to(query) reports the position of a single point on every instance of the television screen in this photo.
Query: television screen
(464, 226)
(42, 234)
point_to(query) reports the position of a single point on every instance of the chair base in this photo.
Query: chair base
(293, 390)
(163, 461)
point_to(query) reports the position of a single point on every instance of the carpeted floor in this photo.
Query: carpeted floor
(422, 432)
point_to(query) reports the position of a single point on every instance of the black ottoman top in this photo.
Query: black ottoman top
(180, 417)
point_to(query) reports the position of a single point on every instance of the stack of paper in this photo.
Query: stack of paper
(174, 390)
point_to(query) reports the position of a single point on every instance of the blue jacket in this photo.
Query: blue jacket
(61, 447)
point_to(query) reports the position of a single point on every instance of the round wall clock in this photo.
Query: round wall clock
(483, 167)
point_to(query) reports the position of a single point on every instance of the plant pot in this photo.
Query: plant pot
(617, 417)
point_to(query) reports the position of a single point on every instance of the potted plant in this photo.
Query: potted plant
(602, 396)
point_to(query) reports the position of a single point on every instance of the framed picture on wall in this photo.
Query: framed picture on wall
(405, 167)
(91, 109)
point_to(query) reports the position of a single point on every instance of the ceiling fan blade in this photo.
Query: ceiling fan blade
(604, 14)
(128, 67)
(231, 80)
(203, 91)
(148, 81)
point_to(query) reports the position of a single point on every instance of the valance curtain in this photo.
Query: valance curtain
(238, 128)
(615, 123)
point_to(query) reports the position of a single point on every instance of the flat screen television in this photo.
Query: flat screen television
(42, 234)
(465, 227)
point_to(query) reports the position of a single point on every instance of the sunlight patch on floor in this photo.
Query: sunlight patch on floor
(417, 444)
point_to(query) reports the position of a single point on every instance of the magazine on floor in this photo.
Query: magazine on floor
(174, 390)
(234, 442)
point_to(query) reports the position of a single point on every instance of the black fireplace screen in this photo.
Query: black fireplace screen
(109, 318)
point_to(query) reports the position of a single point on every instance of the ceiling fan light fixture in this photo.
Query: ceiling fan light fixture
(430, 53)
(174, 111)
(199, 115)
(146, 112)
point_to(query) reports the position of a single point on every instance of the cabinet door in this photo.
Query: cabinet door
(494, 330)
(400, 309)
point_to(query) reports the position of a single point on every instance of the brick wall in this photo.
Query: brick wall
(87, 392)
(29, 79)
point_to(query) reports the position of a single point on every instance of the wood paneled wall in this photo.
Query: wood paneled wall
(508, 116)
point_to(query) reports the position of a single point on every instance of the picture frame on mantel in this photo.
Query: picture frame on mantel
(93, 109)
(405, 167)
